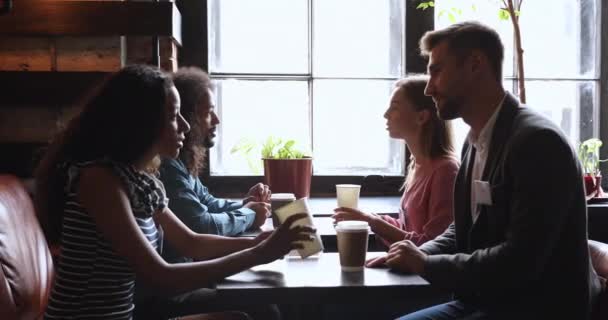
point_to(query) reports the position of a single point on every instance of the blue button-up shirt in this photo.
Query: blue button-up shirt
(192, 203)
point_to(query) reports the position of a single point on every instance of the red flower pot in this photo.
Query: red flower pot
(289, 176)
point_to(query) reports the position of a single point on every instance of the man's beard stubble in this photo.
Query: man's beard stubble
(449, 111)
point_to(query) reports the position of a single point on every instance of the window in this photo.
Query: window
(320, 72)
(561, 43)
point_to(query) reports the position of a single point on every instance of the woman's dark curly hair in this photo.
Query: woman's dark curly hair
(121, 122)
(193, 85)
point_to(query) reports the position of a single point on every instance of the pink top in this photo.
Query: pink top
(427, 204)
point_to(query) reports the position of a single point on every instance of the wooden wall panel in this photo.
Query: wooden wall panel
(88, 53)
(25, 54)
(27, 124)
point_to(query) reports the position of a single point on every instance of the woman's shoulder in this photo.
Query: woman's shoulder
(446, 163)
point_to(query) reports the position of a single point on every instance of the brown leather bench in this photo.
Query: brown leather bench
(26, 266)
(599, 257)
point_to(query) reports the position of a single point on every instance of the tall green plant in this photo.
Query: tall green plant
(508, 10)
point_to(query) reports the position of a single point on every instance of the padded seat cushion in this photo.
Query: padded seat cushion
(26, 266)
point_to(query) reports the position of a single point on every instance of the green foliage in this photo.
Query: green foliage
(272, 148)
(589, 155)
(453, 12)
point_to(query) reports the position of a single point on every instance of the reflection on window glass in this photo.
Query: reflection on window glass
(561, 101)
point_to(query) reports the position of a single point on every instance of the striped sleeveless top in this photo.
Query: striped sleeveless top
(92, 281)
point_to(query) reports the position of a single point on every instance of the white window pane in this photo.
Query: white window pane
(255, 110)
(559, 39)
(350, 134)
(568, 103)
(262, 36)
(357, 38)
(484, 11)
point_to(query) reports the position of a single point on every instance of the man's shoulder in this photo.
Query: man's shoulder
(170, 168)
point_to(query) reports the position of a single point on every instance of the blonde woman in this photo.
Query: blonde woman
(426, 204)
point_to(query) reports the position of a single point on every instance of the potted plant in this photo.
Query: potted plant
(589, 155)
(287, 168)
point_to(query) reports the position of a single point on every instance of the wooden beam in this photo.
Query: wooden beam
(91, 18)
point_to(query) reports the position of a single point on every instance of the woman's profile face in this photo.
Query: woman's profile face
(174, 128)
(402, 121)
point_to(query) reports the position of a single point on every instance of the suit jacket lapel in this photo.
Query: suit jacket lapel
(462, 196)
(500, 134)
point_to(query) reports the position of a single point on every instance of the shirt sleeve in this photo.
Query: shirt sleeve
(187, 199)
(392, 221)
(441, 200)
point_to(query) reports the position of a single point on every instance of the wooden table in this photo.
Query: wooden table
(320, 280)
(325, 228)
(324, 207)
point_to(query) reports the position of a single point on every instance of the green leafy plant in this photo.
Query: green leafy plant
(508, 10)
(589, 155)
(271, 148)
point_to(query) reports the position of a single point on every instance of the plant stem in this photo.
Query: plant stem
(520, 52)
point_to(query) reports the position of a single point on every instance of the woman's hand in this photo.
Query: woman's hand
(282, 240)
(343, 213)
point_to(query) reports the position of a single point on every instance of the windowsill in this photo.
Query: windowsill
(324, 206)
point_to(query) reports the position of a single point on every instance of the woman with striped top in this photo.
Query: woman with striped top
(98, 198)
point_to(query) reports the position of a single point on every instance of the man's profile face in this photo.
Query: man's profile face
(209, 121)
(448, 78)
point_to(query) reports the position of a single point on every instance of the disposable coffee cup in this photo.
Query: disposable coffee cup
(301, 206)
(348, 195)
(278, 200)
(352, 244)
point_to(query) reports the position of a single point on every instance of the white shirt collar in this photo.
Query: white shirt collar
(485, 136)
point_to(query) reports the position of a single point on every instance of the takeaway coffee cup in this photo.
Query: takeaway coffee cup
(348, 195)
(301, 206)
(278, 200)
(352, 244)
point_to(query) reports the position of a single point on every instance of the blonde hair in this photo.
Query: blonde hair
(437, 140)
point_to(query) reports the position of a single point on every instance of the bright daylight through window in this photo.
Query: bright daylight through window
(290, 69)
(321, 72)
(560, 42)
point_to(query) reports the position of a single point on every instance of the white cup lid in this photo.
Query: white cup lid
(282, 196)
(352, 225)
(348, 186)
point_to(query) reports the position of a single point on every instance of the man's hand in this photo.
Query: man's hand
(405, 256)
(377, 262)
(262, 211)
(258, 193)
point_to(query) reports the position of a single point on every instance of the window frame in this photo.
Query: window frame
(194, 52)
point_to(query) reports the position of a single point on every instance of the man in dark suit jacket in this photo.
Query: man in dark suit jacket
(518, 246)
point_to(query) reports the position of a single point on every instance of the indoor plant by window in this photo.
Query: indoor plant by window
(286, 167)
(589, 155)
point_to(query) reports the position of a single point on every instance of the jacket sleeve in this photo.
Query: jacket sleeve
(187, 199)
(539, 198)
